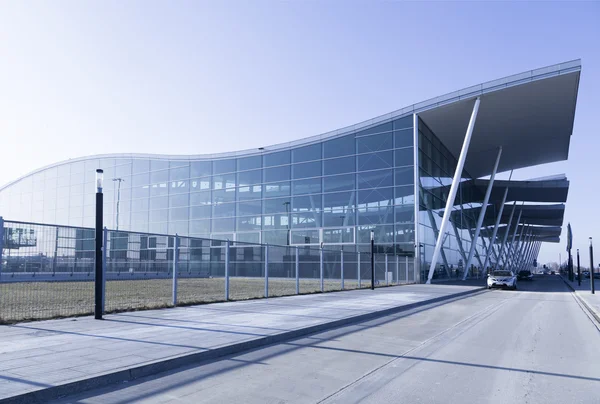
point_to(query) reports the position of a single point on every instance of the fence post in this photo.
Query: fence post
(406, 262)
(104, 259)
(297, 270)
(175, 267)
(342, 268)
(358, 268)
(397, 270)
(321, 268)
(55, 252)
(227, 245)
(387, 277)
(267, 270)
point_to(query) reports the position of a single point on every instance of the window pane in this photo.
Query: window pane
(248, 223)
(386, 127)
(376, 197)
(180, 187)
(276, 159)
(179, 213)
(342, 146)
(161, 215)
(140, 179)
(141, 166)
(305, 236)
(404, 123)
(223, 225)
(249, 177)
(199, 226)
(403, 138)
(405, 195)
(179, 200)
(306, 153)
(340, 216)
(224, 195)
(161, 202)
(341, 235)
(374, 161)
(224, 181)
(223, 166)
(307, 170)
(276, 205)
(159, 189)
(201, 212)
(180, 173)
(250, 192)
(339, 201)
(279, 189)
(405, 176)
(200, 198)
(249, 208)
(156, 165)
(339, 166)
(224, 210)
(310, 186)
(276, 174)
(339, 183)
(306, 220)
(374, 179)
(277, 237)
(374, 143)
(141, 192)
(306, 203)
(159, 176)
(199, 184)
(249, 163)
(180, 228)
(404, 157)
(140, 204)
(201, 168)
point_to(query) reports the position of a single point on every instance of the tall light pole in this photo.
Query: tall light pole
(372, 260)
(592, 267)
(342, 217)
(99, 236)
(118, 198)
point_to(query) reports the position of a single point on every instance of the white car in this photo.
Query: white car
(502, 278)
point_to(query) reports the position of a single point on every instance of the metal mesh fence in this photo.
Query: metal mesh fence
(48, 271)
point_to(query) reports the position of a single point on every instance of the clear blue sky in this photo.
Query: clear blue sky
(80, 78)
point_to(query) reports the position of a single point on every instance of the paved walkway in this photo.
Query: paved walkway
(52, 358)
(584, 292)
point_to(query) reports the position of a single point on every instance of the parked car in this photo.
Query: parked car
(586, 274)
(525, 275)
(502, 279)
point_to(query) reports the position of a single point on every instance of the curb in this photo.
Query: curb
(149, 369)
(580, 299)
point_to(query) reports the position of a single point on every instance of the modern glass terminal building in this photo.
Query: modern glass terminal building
(392, 174)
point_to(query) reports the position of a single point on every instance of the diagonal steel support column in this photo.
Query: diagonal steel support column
(460, 246)
(453, 189)
(476, 252)
(511, 246)
(523, 248)
(506, 232)
(486, 200)
(495, 232)
(516, 260)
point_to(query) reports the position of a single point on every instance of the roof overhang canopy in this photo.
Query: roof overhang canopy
(531, 119)
(537, 215)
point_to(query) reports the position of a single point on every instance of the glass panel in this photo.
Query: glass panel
(198, 184)
(374, 179)
(201, 212)
(305, 236)
(342, 146)
(310, 186)
(224, 210)
(405, 195)
(306, 153)
(404, 157)
(276, 174)
(383, 234)
(223, 225)
(404, 214)
(180, 173)
(307, 170)
(276, 205)
(404, 123)
(250, 192)
(224, 181)
(376, 215)
(306, 219)
(159, 176)
(223, 166)
(180, 186)
(159, 189)
(201, 168)
(306, 203)
(161, 215)
(339, 166)
(141, 192)
(376, 197)
(200, 198)
(339, 200)
(374, 161)
(339, 216)
(179, 213)
(253, 237)
(249, 208)
(141, 166)
(158, 228)
(156, 165)
(249, 223)
(161, 202)
(180, 228)
(249, 163)
(140, 204)
(276, 159)
(140, 179)
(199, 226)
(224, 195)
(339, 183)
(179, 200)
(374, 143)
(280, 189)
(386, 127)
(405, 176)
(276, 237)
(341, 235)
(403, 138)
(249, 177)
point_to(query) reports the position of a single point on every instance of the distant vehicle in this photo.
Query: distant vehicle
(525, 275)
(502, 278)
(586, 274)
(552, 273)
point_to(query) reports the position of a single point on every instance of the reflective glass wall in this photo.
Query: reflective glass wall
(436, 170)
(332, 192)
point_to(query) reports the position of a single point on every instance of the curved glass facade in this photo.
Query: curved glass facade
(333, 191)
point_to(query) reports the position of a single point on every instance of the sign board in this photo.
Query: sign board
(17, 237)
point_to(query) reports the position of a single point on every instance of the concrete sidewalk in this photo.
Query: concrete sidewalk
(583, 292)
(47, 359)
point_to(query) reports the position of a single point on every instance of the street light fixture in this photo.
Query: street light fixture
(98, 267)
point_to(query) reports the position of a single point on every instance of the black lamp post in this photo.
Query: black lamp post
(372, 260)
(578, 269)
(99, 226)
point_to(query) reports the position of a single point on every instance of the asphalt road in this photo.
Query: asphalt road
(534, 345)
